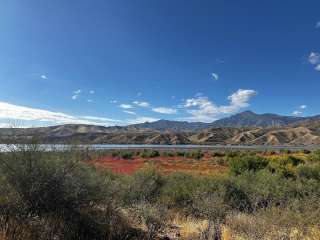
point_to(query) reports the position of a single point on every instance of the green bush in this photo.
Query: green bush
(285, 166)
(127, 155)
(196, 154)
(55, 191)
(239, 165)
(150, 154)
(309, 171)
(144, 186)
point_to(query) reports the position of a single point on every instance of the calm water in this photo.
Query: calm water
(60, 147)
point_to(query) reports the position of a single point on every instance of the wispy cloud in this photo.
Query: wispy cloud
(296, 113)
(11, 112)
(130, 112)
(44, 76)
(215, 76)
(113, 101)
(318, 24)
(100, 119)
(141, 120)
(76, 94)
(300, 110)
(314, 59)
(91, 91)
(164, 110)
(126, 106)
(141, 104)
(202, 109)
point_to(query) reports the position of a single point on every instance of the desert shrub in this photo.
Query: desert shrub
(154, 153)
(265, 189)
(314, 156)
(213, 207)
(179, 190)
(218, 154)
(168, 154)
(198, 154)
(286, 166)
(115, 154)
(150, 154)
(297, 221)
(126, 155)
(239, 165)
(55, 196)
(223, 161)
(306, 151)
(181, 154)
(144, 186)
(154, 217)
(232, 154)
(285, 151)
(236, 198)
(309, 171)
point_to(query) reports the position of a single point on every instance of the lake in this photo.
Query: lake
(60, 147)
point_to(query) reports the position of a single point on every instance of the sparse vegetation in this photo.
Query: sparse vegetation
(60, 195)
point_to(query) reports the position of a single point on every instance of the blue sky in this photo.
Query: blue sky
(120, 62)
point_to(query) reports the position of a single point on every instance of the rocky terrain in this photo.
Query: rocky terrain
(246, 128)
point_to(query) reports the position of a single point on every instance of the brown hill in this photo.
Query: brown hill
(304, 133)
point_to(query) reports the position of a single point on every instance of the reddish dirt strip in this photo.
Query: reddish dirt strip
(165, 165)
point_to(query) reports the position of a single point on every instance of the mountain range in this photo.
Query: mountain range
(240, 120)
(246, 128)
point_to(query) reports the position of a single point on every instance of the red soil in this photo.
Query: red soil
(118, 165)
(165, 165)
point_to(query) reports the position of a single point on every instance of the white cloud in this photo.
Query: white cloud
(113, 101)
(100, 119)
(314, 58)
(164, 110)
(296, 113)
(91, 91)
(126, 106)
(318, 24)
(11, 112)
(215, 76)
(76, 94)
(141, 104)
(241, 97)
(44, 77)
(303, 106)
(202, 109)
(317, 68)
(141, 120)
(130, 112)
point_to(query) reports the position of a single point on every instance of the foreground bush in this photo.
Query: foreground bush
(55, 196)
